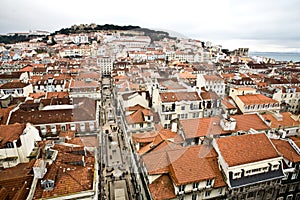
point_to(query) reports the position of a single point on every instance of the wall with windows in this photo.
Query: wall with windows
(18, 151)
(179, 110)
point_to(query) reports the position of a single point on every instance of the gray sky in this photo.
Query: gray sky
(261, 25)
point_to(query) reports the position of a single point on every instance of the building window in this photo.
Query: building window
(275, 167)
(168, 117)
(289, 197)
(297, 196)
(196, 115)
(292, 187)
(220, 190)
(282, 189)
(9, 145)
(181, 188)
(194, 196)
(207, 193)
(294, 175)
(182, 107)
(195, 185)
(166, 126)
(250, 195)
(209, 182)
(63, 128)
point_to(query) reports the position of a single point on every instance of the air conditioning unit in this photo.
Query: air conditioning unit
(181, 192)
(195, 189)
(208, 186)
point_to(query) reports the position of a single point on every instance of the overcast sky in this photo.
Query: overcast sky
(261, 25)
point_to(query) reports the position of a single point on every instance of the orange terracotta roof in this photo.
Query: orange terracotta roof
(26, 69)
(4, 113)
(248, 121)
(179, 96)
(136, 117)
(190, 164)
(228, 103)
(186, 75)
(219, 180)
(245, 88)
(228, 75)
(145, 137)
(37, 95)
(11, 85)
(81, 84)
(212, 78)
(251, 99)
(201, 127)
(156, 161)
(135, 107)
(296, 140)
(287, 120)
(209, 95)
(69, 178)
(14, 179)
(162, 188)
(244, 149)
(57, 95)
(286, 150)
(9, 133)
(90, 141)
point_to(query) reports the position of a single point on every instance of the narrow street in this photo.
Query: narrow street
(117, 179)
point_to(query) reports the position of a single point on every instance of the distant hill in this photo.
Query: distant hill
(153, 34)
(85, 28)
(11, 39)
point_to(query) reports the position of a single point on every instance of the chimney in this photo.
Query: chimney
(277, 116)
(144, 95)
(39, 168)
(227, 123)
(174, 127)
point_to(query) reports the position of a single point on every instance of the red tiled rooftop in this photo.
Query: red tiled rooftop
(179, 96)
(15, 178)
(81, 84)
(248, 121)
(251, 99)
(9, 133)
(201, 127)
(287, 120)
(245, 149)
(212, 78)
(68, 178)
(209, 95)
(12, 85)
(228, 103)
(190, 164)
(156, 161)
(288, 152)
(162, 188)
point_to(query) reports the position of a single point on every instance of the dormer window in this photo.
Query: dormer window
(181, 188)
(237, 175)
(48, 184)
(9, 145)
(209, 182)
(275, 167)
(195, 185)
